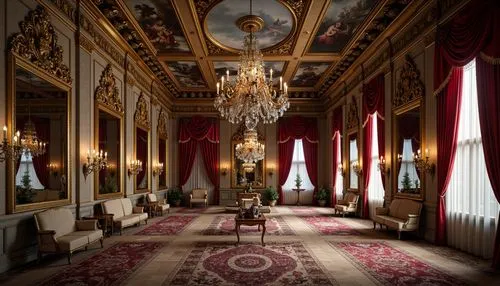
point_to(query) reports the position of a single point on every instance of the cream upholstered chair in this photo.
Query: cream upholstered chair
(348, 205)
(59, 232)
(157, 206)
(198, 196)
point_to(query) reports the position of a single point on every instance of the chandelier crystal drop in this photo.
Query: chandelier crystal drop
(250, 151)
(250, 96)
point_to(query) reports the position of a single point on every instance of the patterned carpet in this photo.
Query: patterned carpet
(191, 210)
(326, 225)
(390, 266)
(171, 225)
(101, 269)
(304, 211)
(224, 225)
(218, 263)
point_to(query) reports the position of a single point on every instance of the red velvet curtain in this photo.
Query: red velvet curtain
(337, 124)
(373, 109)
(40, 162)
(294, 128)
(206, 131)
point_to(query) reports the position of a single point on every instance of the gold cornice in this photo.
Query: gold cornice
(85, 43)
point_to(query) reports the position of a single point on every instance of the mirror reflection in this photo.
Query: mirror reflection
(241, 176)
(162, 159)
(353, 161)
(141, 154)
(41, 110)
(408, 144)
(109, 141)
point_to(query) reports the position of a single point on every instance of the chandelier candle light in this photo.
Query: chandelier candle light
(249, 96)
(96, 161)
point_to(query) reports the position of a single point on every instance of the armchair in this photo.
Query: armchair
(348, 205)
(198, 196)
(157, 206)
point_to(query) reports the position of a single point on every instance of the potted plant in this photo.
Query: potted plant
(322, 196)
(271, 195)
(298, 181)
(174, 196)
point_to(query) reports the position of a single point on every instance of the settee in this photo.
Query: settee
(401, 215)
(124, 214)
(59, 232)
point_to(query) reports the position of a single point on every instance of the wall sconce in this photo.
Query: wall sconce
(382, 166)
(96, 161)
(10, 150)
(356, 167)
(53, 169)
(270, 170)
(423, 165)
(157, 169)
(134, 168)
(223, 171)
(341, 170)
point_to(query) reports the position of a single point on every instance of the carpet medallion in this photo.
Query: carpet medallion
(171, 225)
(219, 263)
(224, 225)
(390, 266)
(326, 225)
(109, 267)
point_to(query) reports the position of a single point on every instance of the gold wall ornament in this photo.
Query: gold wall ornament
(352, 115)
(107, 93)
(162, 124)
(410, 86)
(37, 43)
(141, 115)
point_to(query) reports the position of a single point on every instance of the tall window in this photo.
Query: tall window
(353, 158)
(27, 170)
(471, 207)
(339, 183)
(408, 165)
(298, 167)
(375, 187)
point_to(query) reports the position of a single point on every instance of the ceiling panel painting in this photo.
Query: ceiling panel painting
(220, 24)
(340, 23)
(309, 73)
(187, 73)
(277, 67)
(159, 22)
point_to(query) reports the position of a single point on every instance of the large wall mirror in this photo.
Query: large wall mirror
(241, 176)
(38, 107)
(141, 143)
(162, 150)
(109, 136)
(408, 122)
(352, 147)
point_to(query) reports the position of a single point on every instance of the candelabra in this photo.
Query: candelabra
(96, 161)
(157, 169)
(340, 169)
(356, 167)
(423, 165)
(53, 169)
(382, 166)
(10, 150)
(134, 168)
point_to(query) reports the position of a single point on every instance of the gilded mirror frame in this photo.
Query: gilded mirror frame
(141, 121)
(409, 96)
(352, 127)
(14, 61)
(107, 99)
(235, 164)
(162, 134)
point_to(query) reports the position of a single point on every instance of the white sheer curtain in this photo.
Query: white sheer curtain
(26, 165)
(339, 183)
(299, 167)
(199, 177)
(408, 166)
(353, 157)
(375, 187)
(471, 208)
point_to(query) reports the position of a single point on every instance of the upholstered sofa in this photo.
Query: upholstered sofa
(123, 213)
(59, 232)
(401, 215)
(349, 204)
(198, 196)
(157, 206)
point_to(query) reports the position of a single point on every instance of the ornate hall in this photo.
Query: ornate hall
(250, 142)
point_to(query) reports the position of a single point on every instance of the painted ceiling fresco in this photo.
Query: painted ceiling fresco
(188, 44)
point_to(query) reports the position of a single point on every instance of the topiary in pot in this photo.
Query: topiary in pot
(174, 196)
(271, 195)
(322, 196)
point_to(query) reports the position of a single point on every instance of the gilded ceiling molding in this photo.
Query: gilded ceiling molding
(141, 115)
(66, 8)
(352, 115)
(239, 134)
(107, 93)
(37, 43)
(85, 43)
(162, 124)
(410, 86)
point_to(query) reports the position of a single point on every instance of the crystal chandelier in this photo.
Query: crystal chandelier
(249, 96)
(250, 151)
(30, 142)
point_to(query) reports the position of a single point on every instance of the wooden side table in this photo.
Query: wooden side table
(298, 195)
(104, 221)
(260, 221)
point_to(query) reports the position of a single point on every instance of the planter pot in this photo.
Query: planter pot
(177, 203)
(322, 203)
(272, 203)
